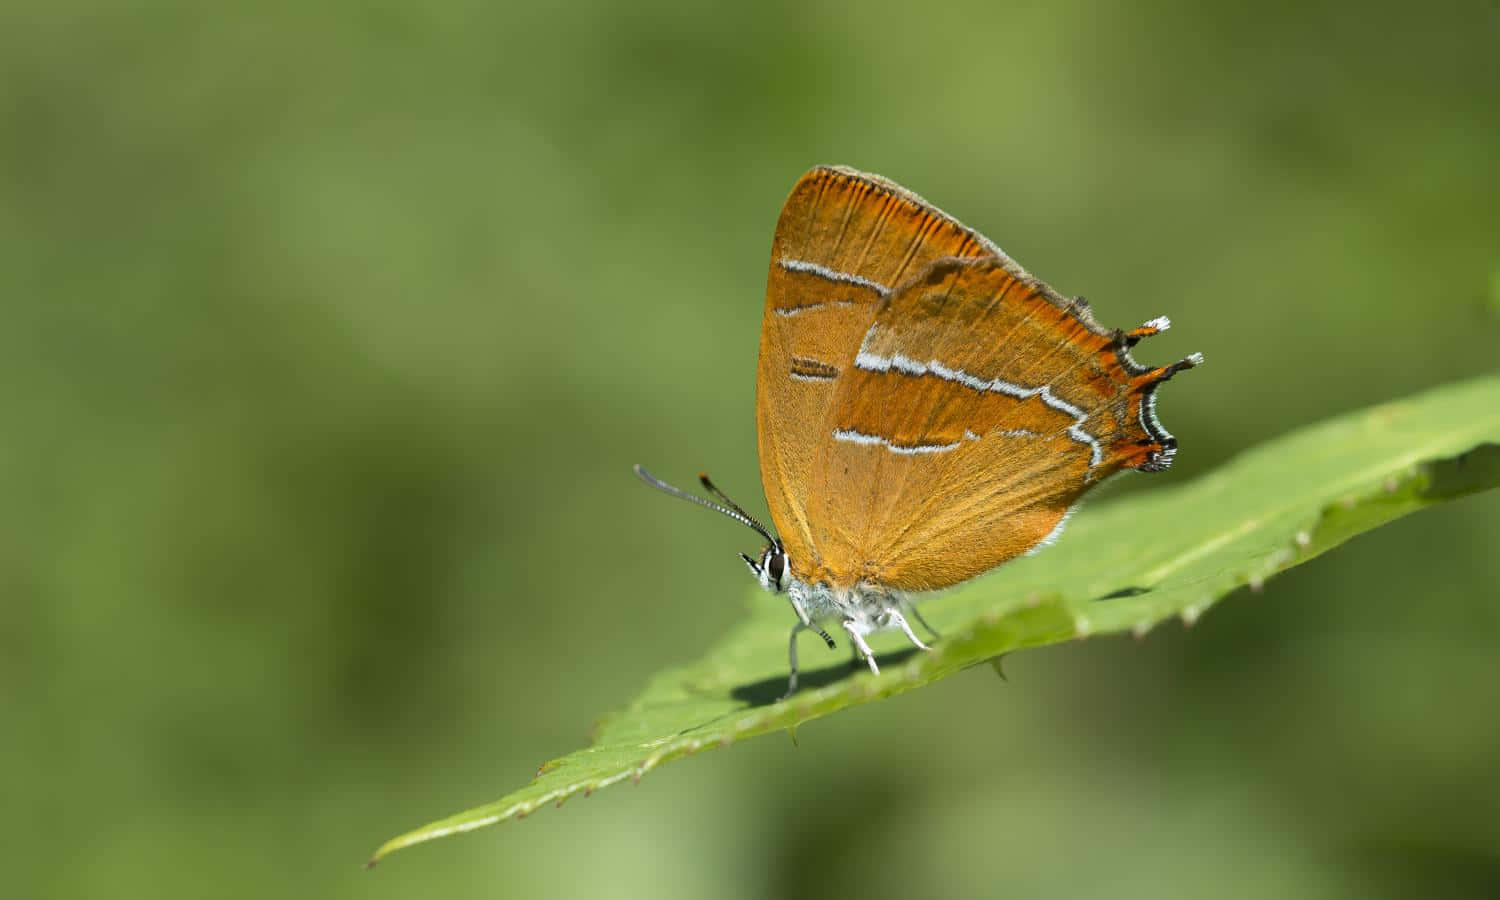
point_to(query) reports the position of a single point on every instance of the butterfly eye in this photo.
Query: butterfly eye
(775, 565)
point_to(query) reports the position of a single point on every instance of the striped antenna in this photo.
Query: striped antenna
(732, 509)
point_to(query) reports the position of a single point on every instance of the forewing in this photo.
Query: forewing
(843, 241)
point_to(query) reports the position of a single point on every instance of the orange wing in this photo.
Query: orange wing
(843, 240)
(917, 436)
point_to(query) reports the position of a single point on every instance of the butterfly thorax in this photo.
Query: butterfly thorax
(867, 606)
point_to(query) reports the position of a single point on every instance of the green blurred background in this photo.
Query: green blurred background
(330, 333)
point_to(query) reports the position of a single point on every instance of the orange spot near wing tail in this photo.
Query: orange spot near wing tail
(1150, 329)
(1154, 447)
(1147, 381)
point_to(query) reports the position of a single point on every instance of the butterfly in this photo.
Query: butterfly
(926, 409)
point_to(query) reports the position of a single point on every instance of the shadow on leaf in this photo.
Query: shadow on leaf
(1123, 592)
(769, 690)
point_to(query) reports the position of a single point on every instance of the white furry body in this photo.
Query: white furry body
(867, 608)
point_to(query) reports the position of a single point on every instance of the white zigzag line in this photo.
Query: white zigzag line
(851, 436)
(872, 362)
(812, 268)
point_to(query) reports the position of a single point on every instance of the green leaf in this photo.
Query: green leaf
(1122, 566)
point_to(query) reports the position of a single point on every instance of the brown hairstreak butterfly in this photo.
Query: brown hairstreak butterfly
(926, 409)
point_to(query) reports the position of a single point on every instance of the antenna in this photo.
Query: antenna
(731, 509)
(724, 498)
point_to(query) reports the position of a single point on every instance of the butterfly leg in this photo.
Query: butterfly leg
(791, 656)
(901, 623)
(859, 641)
(917, 614)
(791, 652)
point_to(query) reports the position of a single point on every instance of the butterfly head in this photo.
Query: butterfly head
(770, 568)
